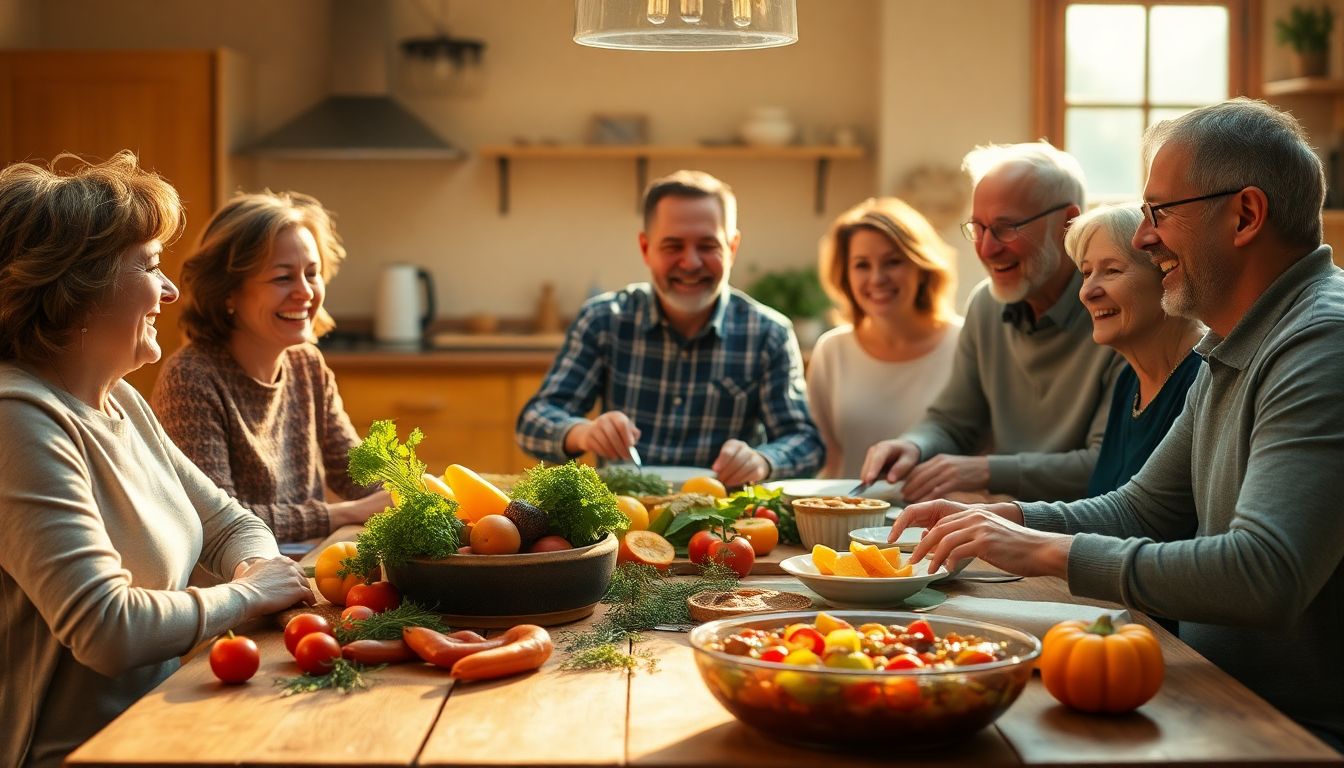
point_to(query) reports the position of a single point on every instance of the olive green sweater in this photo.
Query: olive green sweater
(101, 521)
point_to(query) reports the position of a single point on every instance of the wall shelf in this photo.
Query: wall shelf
(504, 154)
(1305, 86)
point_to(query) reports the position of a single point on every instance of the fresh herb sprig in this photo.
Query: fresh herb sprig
(420, 524)
(628, 482)
(580, 507)
(344, 676)
(760, 496)
(388, 624)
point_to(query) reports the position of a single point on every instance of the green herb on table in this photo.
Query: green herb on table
(760, 496)
(640, 598)
(628, 482)
(421, 524)
(688, 521)
(580, 507)
(345, 676)
(388, 624)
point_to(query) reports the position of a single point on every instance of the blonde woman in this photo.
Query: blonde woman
(893, 279)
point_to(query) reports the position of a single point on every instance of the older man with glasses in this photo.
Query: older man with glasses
(1025, 408)
(1233, 526)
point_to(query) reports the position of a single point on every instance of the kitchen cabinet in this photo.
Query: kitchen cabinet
(166, 106)
(505, 154)
(465, 403)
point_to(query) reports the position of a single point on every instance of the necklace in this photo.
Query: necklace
(1135, 411)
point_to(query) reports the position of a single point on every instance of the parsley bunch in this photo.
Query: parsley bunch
(580, 506)
(421, 524)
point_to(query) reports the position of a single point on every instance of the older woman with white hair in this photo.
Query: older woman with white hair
(1122, 291)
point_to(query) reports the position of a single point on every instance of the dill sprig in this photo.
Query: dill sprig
(344, 676)
(388, 624)
(608, 656)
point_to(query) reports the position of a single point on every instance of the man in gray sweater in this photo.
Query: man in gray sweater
(1028, 385)
(1234, 525)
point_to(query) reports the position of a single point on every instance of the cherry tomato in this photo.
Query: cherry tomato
(774, 653)
(234, 659)
(303, 625)
(316, 652)
(379, 596)
(920, 628)
(354, 614)
(768, 514)
(736, 554)
(698, 548)
(905, 661)
(806, 637)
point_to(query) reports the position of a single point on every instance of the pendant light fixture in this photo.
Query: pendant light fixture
(685, 25)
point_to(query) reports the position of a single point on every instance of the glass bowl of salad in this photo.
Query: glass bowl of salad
(862, 679)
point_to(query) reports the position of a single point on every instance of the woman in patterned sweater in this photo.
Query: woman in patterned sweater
(250, 399)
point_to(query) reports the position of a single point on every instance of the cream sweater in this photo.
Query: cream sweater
(101, 521)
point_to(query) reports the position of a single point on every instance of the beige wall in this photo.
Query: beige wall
(919, 81)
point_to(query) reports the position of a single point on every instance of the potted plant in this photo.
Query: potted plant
(1307, 31)
(798, 294)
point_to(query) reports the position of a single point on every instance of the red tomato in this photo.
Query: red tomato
(234, 659)
(379, 596)
(736, 554)
(768, 514)
(807, 637)
(698, 548)
(353, 614)
(905, 661)
(316, 652)
(920, 628)
(902, 693)
(303, 625)
(774, 653)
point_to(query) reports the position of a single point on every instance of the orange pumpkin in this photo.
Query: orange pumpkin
(326, 572)
(1101, 668)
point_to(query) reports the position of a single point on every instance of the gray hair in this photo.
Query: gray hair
(1248, 143)
(1058, 174)
(1117, 223)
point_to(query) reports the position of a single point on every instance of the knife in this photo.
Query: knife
(859, 489)
(634, 458)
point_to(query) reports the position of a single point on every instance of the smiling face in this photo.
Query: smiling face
(883, 281)
(121, 334)
(274, 308)
(1024, 267)
(1195, 279)
(689, 255)
(1123, 296)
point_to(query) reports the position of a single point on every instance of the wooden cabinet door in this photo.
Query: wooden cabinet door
(158, 104)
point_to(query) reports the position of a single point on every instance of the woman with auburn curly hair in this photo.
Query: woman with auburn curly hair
(102, 518)
(250, 399)
(893, 279)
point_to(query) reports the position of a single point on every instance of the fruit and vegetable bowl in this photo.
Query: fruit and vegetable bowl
(862, 679)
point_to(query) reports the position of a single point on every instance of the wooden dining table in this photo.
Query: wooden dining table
(414, 714)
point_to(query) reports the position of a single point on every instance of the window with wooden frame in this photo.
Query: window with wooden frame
(1107, 69)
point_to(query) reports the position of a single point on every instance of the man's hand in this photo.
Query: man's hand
(943, 474)
(896, 457)
(978, 532)
(608, 436)
(739, 464)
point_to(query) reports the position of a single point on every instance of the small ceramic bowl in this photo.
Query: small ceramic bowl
(543, 588)
(828, 520)
(869, 591)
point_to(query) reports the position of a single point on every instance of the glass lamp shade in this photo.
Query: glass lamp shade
(685, 25)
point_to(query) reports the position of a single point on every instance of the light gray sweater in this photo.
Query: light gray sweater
(101, 521)
(1234, 526)
(1034, 396)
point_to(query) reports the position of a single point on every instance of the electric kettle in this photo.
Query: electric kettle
(400, 314)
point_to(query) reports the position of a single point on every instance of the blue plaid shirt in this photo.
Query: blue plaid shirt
(740, 377)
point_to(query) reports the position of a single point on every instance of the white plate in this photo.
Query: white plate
(799, 488)
(857, 590)
(907, 541)
(674, 475)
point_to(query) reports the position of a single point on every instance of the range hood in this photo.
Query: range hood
(360, 120)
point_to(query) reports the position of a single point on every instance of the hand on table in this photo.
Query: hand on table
(277, 582)
(944, 474)
(609, 436)
(894, 457)
(739, 464)
(955, 531)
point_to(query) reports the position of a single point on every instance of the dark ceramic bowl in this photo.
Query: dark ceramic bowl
(543, 588)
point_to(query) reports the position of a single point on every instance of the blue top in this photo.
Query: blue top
(1130, 440)
(740, 377)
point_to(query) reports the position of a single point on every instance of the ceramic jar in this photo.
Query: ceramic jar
(768, 127)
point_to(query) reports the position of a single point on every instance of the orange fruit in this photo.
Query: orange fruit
(710, 486)
(849, 565)
(762, 533)
(495, 535)
(892, 555)
(646, 547)
(475, 495)
(634, 510)
(824, 558)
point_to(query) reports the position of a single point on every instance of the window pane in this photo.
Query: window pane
(1188, 57)
(1106, 142)
(1103, 54)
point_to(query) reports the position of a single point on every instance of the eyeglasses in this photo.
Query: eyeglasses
(1150, 210)
(1004, 233)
